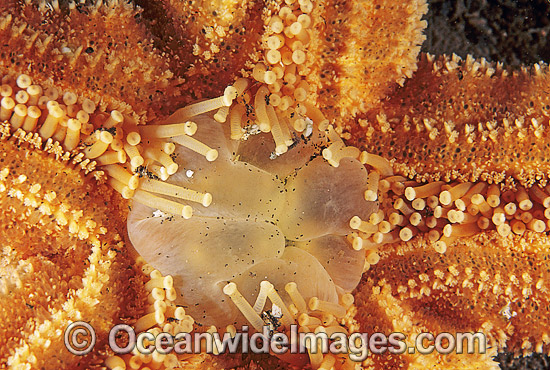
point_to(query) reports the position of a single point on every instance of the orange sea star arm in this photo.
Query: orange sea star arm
(90, 50)
(465, 120)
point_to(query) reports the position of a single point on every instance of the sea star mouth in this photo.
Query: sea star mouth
(284, 220)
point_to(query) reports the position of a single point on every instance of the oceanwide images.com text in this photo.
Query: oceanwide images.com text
(80, 339)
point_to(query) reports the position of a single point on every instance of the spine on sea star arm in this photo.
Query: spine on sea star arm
(164, 188)
(166, 205)
(297, 298)
(243, 306)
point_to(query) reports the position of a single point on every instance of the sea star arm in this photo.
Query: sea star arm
(363, 51)
(464, 120)
(467, 121)
(63, 257)
(102, 50)
(208, 43)
(484, 284)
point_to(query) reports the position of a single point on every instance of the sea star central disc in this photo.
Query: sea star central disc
(283, 219)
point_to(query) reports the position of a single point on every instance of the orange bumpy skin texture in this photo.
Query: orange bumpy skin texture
(507, 277)
(364, 50)
(80, 52)
(208, 43)
(360, 52)
(63, 257)
(458, 104)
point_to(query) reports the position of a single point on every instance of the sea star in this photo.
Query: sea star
(147, 64)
